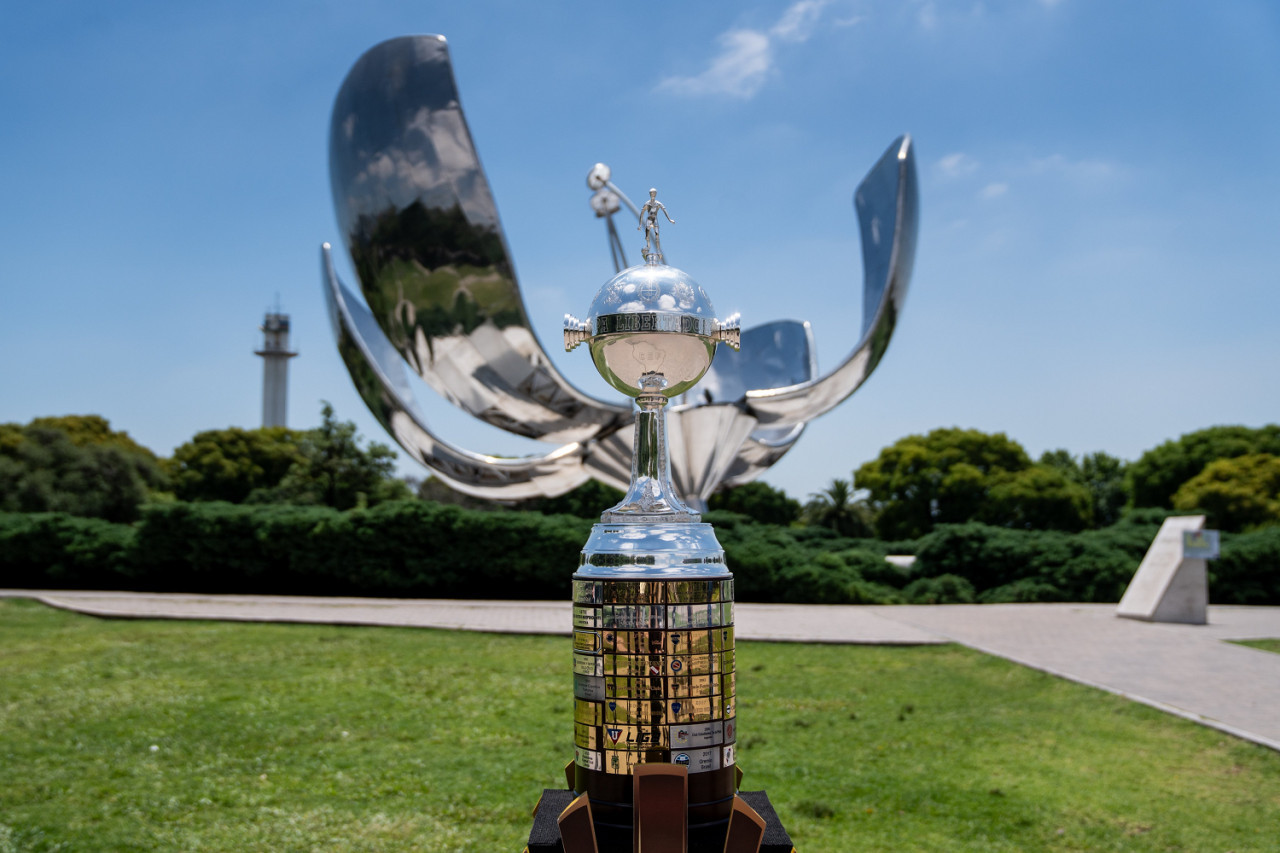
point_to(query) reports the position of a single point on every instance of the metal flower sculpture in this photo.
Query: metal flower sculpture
(441, 299)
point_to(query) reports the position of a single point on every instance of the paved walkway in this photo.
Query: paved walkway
(1188, 670)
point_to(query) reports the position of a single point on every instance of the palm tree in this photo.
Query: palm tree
(835, 507)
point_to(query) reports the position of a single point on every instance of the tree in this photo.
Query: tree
(334, 470)
(942, 477)
(1038, 498)
(230, 464)
(759, 500)
(98, 473)
(1159, 472)
(1105, 476)
(1102, 474)
(86, 430)
(1236, 494)
(835, 507)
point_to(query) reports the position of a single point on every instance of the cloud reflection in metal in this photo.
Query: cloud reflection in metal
(422, 230)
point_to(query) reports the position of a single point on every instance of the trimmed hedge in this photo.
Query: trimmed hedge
(429, 550)
(61, 551)
(1028, 565)
(1248, 572)
(400, 548)
(806, 564)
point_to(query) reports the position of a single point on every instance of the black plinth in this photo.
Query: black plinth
(545, 836)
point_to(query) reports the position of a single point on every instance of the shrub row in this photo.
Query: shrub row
(401, 548)
(429, 550)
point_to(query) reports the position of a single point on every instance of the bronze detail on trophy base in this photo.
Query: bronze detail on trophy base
(753, 827)
(660, 793)
(577, 829)
(746, 829)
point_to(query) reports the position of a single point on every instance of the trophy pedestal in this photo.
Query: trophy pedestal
(545, 835)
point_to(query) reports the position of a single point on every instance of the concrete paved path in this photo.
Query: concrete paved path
(783, 622)
(1188, 670)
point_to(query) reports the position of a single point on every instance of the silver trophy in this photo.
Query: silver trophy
(441, 303)
(653, 600)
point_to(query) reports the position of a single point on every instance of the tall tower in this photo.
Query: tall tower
(275, 368)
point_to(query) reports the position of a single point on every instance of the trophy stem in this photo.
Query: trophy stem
(651, 498)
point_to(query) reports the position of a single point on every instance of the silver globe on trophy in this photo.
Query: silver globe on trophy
(653, 650)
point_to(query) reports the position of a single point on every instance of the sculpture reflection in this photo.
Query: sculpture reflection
(422, 230)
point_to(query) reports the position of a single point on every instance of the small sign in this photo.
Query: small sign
(697, 734)
(1200, 544)
(702, 760)
(590, 759)
(589, 687)
(588, 664)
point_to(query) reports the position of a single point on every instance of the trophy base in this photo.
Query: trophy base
(545, 835)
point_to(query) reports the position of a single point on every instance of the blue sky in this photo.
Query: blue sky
(1099, 253)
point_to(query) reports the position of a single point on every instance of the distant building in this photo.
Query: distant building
(275, 368)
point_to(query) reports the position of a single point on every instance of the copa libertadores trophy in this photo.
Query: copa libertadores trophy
(653, 646)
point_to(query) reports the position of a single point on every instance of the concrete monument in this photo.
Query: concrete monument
(1169, 586)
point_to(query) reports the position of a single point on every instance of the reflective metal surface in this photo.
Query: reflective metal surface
(652, 319)
(422, 230)
(651, 551)
(652, 333)
(773, 355)
(378, 373)
(605, 203)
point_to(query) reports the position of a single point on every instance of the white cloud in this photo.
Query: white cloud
(1089, 175)
(935, 16)
(739, 70)
(746, 57)
(1079, 170)
(957, 165)
(797, 23)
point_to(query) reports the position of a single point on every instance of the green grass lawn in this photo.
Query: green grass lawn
(190, 736)
(1265, 645)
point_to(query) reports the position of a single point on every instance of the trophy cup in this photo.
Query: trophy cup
(653, 646)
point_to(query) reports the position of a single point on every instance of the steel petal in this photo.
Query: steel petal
(422, 230)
